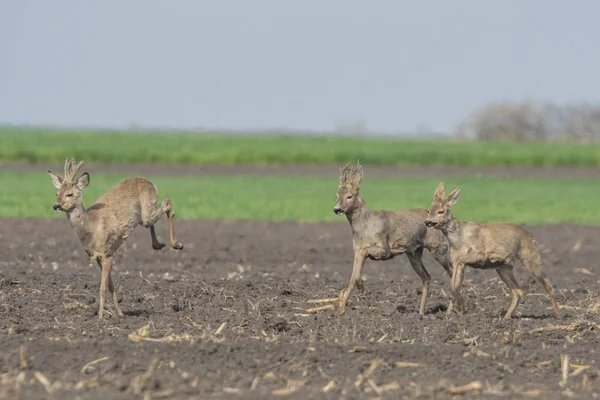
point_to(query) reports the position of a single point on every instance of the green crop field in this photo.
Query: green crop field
(36, 145)
(312, 198)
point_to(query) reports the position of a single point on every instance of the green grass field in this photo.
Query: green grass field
(312, 198)
(36, 145)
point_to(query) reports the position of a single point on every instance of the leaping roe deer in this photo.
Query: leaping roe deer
(383, 235)
(487, 246)
(107, 223)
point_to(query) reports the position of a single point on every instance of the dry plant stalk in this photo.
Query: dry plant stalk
(23, 356)
(406, 364)
(292, 387)
(43, 380)
(328, 387)
(362, 377)
(469, 387)
(321, 308)
(564, 368)
(320, 301)
(105, 225)
(87, 367)
(221, 328)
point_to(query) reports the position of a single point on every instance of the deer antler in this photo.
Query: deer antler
(71, 169)
(351, 173)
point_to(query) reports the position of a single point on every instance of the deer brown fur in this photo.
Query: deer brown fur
(383, 235)
(107, 223)
(487, 246)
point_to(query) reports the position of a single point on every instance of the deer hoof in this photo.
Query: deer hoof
(158, 246)
(177, 245)
(360, 285)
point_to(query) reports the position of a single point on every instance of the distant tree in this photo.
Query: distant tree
(527, 121)
(504, 121)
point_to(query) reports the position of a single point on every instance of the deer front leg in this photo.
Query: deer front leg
(170, 215)
(111, 289)
(455, 284)
(359, 261)
(106, 265)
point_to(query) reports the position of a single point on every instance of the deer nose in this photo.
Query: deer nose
(56, 207)
(429, 223)
(337, 210)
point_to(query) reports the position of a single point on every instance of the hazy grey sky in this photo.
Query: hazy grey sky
(299, 64)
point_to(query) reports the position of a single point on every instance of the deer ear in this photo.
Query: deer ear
(56, 180)
(453, 197)
(83, 180)
(440, 191)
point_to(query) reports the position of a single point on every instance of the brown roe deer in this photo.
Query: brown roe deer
(383, 235)
(487, 246)
(107, 223)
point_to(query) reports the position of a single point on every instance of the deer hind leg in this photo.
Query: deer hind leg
(151, 216)
(170, 215)
(359, 261)
(506, 274)
(416, 262)
(533, 263)
(156, 245)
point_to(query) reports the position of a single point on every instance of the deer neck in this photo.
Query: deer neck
(78, 219)
(359, 212)
(453, 231)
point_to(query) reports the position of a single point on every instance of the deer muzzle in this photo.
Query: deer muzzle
(338, 211)
(56, 207)
(430, 224)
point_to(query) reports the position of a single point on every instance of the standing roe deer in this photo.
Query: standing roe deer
(107, 223)
(383, 235)
(487, 246)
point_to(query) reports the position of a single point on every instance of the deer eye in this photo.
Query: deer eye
(69, 194)
(349, 197)
(441, 212)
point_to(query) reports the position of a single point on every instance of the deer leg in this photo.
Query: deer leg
(359, 261)
(111, 289)
(106, 266)
(533, 264)
(442, 256)
(506, 274)
(164, 208)
(457, 279)
(170, 215)
(417, 264)
(550, 291)
(156, 245)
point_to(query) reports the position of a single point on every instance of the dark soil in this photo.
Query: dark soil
(225, 318)
(316, 170)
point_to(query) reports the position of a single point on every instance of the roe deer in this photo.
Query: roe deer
(487, 246)
(107, 223)
(383, 235)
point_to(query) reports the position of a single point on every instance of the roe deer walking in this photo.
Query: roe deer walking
(107, 223)
(383, 235)
(487, 246)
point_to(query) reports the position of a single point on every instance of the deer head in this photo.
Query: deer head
(347, 193)
(439, 211)
(68, 196)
